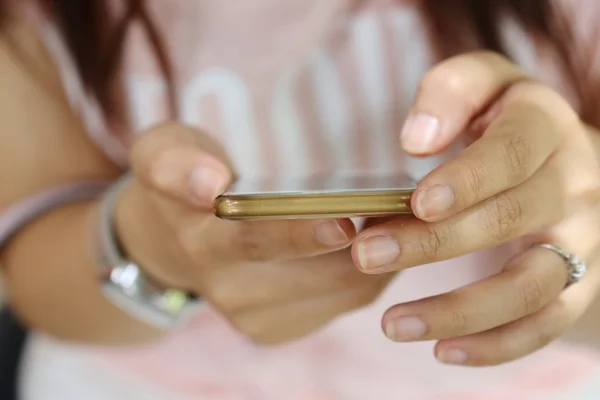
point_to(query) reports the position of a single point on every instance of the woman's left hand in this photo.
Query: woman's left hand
(531, 172)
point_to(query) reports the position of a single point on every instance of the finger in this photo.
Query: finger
(220, 242)
(499, 219)
(520, 338)
(516, 339)
(291, 321)
(169, 160)
(300, 279)
(451, 95)
(530, 282)
(522, 138)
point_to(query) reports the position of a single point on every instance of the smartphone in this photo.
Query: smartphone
(341, 195)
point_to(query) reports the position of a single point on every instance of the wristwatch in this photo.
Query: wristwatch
(125, 283)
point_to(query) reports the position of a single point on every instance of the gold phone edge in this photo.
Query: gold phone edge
(311, 206)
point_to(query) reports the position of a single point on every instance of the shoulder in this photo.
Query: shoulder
(22, 50)
(41, 139)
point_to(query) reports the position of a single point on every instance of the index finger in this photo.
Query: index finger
(173, 162)
(521, 140)
(219, 242)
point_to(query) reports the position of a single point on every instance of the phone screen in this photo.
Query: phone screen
(321, 184)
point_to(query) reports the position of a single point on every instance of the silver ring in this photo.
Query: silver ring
(575, 266)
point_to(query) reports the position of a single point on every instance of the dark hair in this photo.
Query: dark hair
(95, 38)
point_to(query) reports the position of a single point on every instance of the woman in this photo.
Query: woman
(289, 309)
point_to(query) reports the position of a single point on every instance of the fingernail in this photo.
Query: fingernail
(331, 234)
(419, 133)
(453, 357)
(405, 329)
(377, 252)
(206, 183)
(434, 201)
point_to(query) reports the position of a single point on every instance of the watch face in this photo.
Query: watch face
(174, 301)
(126, 285)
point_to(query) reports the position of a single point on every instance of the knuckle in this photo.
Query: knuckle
(435, 240)
(516, 155)
(529, 296)
(475, 178)
(459, 320)
(503, 213)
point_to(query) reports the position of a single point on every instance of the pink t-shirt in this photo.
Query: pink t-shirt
(298, 86)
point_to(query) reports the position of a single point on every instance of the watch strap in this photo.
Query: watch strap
(126, 284)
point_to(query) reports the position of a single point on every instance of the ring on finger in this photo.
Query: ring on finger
(576, 267)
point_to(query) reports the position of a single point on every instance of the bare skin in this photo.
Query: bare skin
(260, 275)
(278, 272)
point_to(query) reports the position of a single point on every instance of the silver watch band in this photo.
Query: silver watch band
(124, 282)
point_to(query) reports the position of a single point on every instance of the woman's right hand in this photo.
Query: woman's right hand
(275, 281)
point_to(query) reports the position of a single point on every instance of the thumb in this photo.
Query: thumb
(182, 163)
(454, 94)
